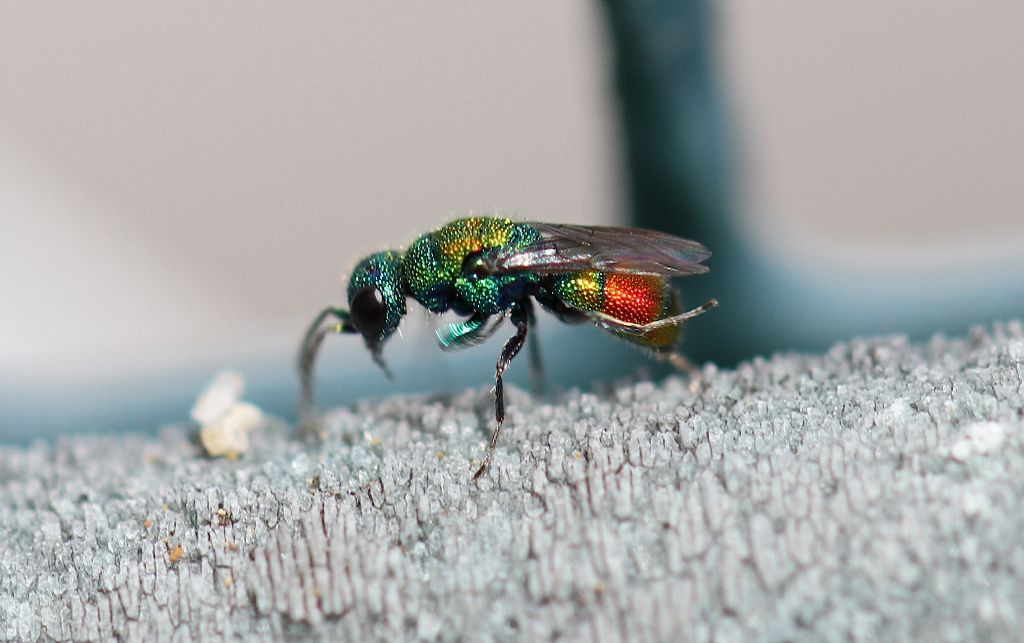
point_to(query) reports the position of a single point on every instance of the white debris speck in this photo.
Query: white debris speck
(229, 435)
(898, 411)
(981, 438)
(218, 397)
(975, 504)
(1015, 349)
(225, 421)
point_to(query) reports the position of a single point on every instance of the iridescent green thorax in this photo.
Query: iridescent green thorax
(433, 265)
(383, 271)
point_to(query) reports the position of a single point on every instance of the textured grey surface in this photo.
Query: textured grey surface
(876, 492)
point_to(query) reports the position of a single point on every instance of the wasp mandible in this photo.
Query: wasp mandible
(487, 269)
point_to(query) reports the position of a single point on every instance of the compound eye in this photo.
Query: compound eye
(369, 312)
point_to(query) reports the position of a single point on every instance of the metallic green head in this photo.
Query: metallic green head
(375, 298)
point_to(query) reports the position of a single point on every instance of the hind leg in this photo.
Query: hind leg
(684, 365)
(536, 361)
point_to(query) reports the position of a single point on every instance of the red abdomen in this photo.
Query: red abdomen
(633, 299)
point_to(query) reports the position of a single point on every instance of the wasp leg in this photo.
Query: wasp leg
(643, 329)
(307, 359)
(682, 364)
(687, 367)
(536, 362)
(508, 353)
(463, 334)
(378, 358)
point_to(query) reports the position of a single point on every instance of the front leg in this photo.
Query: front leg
(520, 318)
(470, 332)
(307, 359)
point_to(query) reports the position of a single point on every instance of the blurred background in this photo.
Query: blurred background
(182, 187)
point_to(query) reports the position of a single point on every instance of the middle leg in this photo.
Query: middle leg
(520, 318)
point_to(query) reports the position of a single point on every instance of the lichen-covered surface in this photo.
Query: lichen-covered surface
(876, 492)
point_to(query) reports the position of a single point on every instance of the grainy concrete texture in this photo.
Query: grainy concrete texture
(875, 492)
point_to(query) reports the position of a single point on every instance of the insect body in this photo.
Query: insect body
(487, 269)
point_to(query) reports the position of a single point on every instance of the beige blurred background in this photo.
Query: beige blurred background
(886, 131)
(189, 182)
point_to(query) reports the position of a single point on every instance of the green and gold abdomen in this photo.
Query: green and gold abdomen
(432, 268)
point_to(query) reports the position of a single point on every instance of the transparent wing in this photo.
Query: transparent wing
(571, 248)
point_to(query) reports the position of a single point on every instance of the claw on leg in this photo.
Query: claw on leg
(686, 366)
(309, 421)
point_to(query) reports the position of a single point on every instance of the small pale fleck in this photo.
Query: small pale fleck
(147, 523)
(987, 608)
(222, 393)
(980, 438)
(229, 435)
(898, 411)
(961, 450)
(987, 436)
(974, 504)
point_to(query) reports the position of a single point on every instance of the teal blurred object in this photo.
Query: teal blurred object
(673, 115)
(679, 156)
(677, 146)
